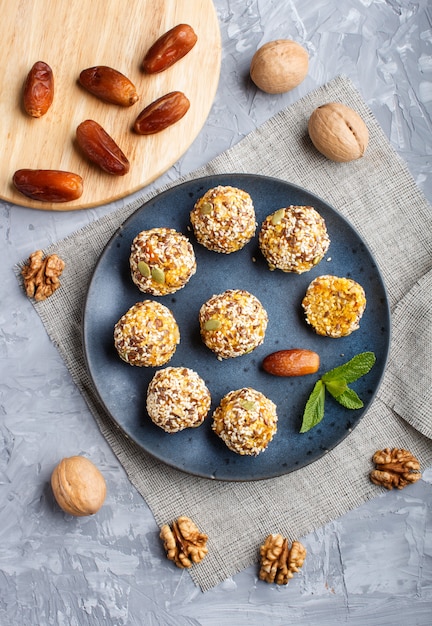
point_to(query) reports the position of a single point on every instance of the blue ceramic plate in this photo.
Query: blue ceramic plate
(122, 388)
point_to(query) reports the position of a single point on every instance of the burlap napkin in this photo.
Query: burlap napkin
(379, 197)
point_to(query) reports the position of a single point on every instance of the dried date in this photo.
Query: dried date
(100, 148)
(109, 85)
(38, 93)
(162, 113)
(169, 48)
(48, 185)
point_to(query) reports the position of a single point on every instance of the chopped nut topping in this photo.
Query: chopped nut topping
(41, 275)
(183, 542)
(278, 561)
(395, 468)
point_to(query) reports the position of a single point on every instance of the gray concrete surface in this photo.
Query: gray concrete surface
(373, 566)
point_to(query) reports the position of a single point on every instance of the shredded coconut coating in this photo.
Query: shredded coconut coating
(233, 323)
(146, 335)
(177, 398)
(162, 261)
(246, 421)
(334, 306)
(294, 239)
(223, 219)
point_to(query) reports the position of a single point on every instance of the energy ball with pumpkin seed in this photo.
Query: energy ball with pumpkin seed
(223, 219)
(294, 239)
(162, 261)
(246, 420)
(334, 306)
(146, 335)
(177, 398)
(232, 323)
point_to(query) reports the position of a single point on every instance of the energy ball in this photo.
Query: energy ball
(162, 261)
(334, 306)
(246, 421)
(232, 323)
(294, 239)
(146, 335)
(177, 398)
(223, 219)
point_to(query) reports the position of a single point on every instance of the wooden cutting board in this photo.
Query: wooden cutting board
(76, 34)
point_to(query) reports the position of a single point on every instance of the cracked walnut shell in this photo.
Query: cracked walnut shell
(41, 275)
(279, 561)
(395, 468)
(183, 542)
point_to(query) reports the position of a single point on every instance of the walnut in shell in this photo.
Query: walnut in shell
(279, 66)
(395, 468)
(183, 542)
(338, 132)
(41, 275)
(78, 486)
(279, 562)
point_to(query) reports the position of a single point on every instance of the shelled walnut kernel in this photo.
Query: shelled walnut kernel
(395, 468)
(279, 561)
(41, 275)
(183, 542)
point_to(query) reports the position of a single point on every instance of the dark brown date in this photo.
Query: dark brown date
(48, 185)
(38, 91)
(109, 85)
(162, 113)
(169, 48)
(100, 148)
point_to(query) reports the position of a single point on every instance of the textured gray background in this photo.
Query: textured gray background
(374, 566)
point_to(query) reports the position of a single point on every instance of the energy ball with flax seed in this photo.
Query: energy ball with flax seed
(146, 335)
(334, 306)
(162, 261)
(294, 239)
(246, 421)
(233, 323)
(223, 219)
(177, 398)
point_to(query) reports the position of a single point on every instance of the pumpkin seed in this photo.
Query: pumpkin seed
(249, 405)
(144, 269)
(206, 208)
(158, 275)
(212, 324)
(277, 217)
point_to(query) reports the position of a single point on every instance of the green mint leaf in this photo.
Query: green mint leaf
(358, 366)
(349, 399)
(336, 386)
(314, 409)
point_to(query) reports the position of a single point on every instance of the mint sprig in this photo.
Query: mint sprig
(336, 381)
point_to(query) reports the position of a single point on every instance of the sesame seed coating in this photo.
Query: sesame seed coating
(146, 335)
(334, 305)
(294, 239)
(246, 421)
(177, 398)
(232, 323)
(223, 219)
(162, 261)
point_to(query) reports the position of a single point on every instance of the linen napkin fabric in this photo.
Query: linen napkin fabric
(379, 197)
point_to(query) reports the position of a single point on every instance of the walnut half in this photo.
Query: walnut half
(279, 561)
(41, 275)
(183, 542)
(395, 468)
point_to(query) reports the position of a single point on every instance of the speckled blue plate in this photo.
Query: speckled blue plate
(122, 388)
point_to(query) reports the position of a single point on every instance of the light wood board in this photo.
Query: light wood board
(71, 35)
